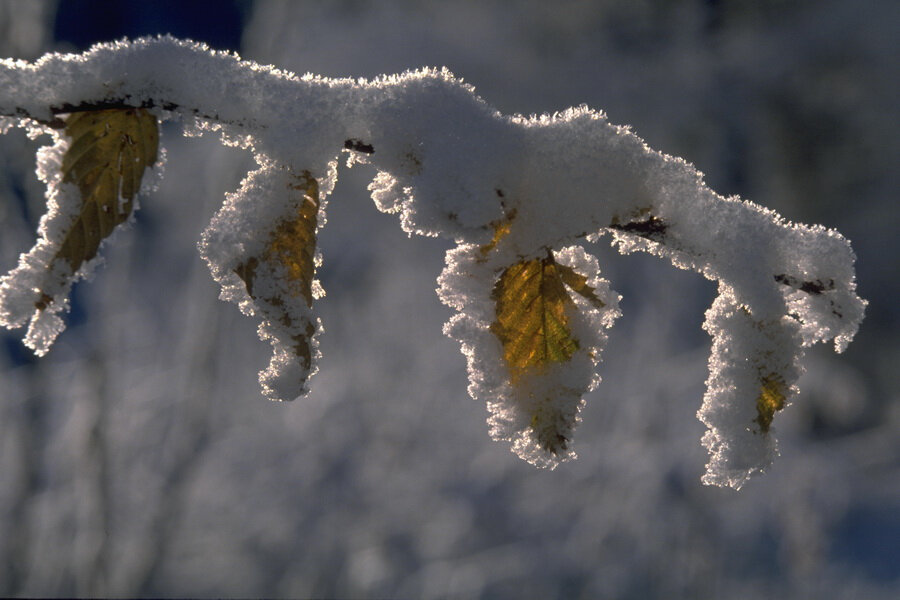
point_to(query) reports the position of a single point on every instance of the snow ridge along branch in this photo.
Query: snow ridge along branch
(519, 195)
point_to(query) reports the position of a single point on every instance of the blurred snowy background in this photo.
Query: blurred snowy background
(139, 458)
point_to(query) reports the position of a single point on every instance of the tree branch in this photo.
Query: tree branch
(123, 104)
(655, 229)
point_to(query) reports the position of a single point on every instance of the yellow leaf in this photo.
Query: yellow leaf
(532, 307)
(770, 400)
(293, 242)
(290, 251)
(501, 230)
(106, 160)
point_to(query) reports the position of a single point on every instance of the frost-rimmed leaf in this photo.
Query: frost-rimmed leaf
(532, 342)
(754, 367)
(265, 260)
(291, 250)
(533, 309)
(106, 159)
(772, 398)
(94, 173)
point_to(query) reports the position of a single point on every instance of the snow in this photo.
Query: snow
(450, 165)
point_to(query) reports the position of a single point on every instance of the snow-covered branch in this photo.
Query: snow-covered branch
(517, 194)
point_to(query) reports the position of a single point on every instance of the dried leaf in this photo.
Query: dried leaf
(545, 423)
(578, 283)
(532, 321)
(106, 160)
(501, 230)
(290, 251)
(533, 308)
(771, 399)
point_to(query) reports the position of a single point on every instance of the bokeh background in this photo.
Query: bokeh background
(139, 459)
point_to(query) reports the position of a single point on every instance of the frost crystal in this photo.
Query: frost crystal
(515, 193)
